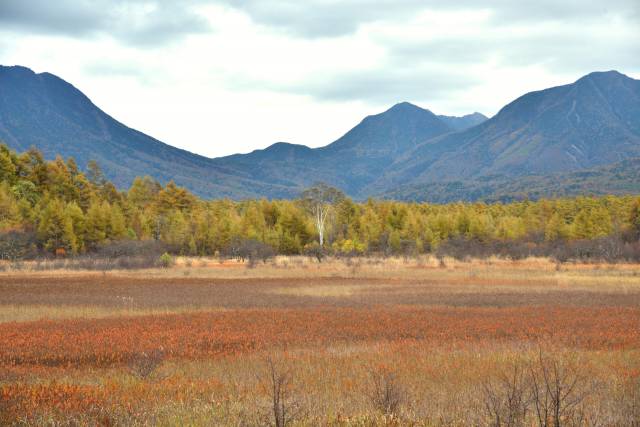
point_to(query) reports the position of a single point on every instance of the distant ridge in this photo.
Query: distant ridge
(352, 161)
(592, 122)
(619, 179)
(45, 111)
(404, 150)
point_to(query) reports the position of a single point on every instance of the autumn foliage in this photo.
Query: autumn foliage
(55, 207)
(112, 342)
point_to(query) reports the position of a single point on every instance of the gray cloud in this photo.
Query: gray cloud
(388, 86)
(559, 49)
(159, 21)
(438, 69)
(318, 18)
(571, 53)
(569, 36)
(136, 22)
(575, 39)
(321, 18)
(384, 85)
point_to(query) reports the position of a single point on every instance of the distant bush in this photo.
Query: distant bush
(349, 247)
(615, 248)
(17, 245)
(131, 248)
(605, 249)
(249, 250)
(314, 250)
(165, 260)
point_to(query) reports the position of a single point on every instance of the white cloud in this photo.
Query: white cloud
(218, 78)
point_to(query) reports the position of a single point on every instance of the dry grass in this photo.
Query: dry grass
(443, 332)
(26, 313)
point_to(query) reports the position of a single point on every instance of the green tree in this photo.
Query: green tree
(555, 228)
(7, 166)
(95, 174)
(634, 218)
(97, 222)
(9, 208)
(74, 217)
(26, 190)
(143, 191)
(55, 227)
(117, 227)
(174, 197)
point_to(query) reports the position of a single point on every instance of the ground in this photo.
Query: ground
(352, 341)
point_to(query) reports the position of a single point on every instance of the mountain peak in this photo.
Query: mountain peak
(16, 68)
(603, 76)
(610, 73)
(16, 71)
(405, 107)
(591, 122)
(282, 146)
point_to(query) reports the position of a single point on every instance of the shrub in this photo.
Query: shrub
(506, 398)
(314, 250)
(386, 394)
(278, 384)
(144, 364)
(165, 260)
(349, 247)
(629, 401)
(250, 249)
(558, 388)
(17, 245)
(131, 248)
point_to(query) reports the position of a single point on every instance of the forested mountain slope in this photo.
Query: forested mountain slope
(594, 121)
(44, 111)
(405, 152)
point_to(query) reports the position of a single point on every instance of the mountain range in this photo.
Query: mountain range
(535, 146)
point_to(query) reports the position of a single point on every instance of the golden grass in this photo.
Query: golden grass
(298, 281)
(442, 378)
(27, 313)
(393, 267)
(442, 386)
(324, 291)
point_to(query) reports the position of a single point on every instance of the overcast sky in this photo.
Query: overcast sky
(223, 76)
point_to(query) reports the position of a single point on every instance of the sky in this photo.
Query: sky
(218, 77)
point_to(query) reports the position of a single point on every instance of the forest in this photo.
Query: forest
(53, 208)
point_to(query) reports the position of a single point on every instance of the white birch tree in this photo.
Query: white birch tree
(320, 201)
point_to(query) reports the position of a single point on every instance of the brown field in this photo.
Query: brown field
(352, 342)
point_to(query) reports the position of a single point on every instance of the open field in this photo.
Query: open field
(351, 342)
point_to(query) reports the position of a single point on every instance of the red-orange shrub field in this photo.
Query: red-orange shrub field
(112, 342)
(330, 355)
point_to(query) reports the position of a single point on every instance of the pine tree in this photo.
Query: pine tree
(555, 228)
(7, 166)
(96, 222)
(55, 227)
(9, 208)
(74, 218)
(117, 228)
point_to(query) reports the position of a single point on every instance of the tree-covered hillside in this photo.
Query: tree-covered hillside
(620, 179)
(49, 207)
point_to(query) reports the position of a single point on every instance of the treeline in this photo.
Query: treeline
(52, 207)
